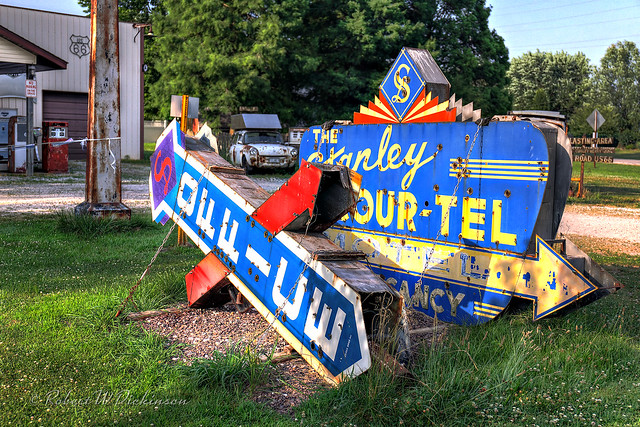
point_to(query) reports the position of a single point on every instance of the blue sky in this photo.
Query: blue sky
(64, 6)
(587, 26)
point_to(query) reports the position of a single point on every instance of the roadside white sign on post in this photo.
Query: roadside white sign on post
(31, 88)
(595, 120)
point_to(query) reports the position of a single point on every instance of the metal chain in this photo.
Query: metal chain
(153, 259)
(446, 215)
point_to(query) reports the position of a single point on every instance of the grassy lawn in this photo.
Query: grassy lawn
(627, 154)
(149, 148)
(575, 369)
(64, 360)
(609, 184)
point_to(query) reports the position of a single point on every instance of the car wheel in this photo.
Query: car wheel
(245, 165)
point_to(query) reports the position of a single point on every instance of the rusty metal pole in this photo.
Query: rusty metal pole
(184, 113)
(595, 135)
(182, 236)
(103, 196)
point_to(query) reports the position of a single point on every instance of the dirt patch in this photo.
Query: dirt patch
(200, 333)
(630, 162)
(605, 246)
(48, 193)
(603, 222)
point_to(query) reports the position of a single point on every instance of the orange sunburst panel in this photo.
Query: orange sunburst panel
(421, 108)
(434, 109)
(427, 112)
(377, 113)
(420, 100)
(424, 110)
(383, 106)
(441, 116)
(384, 102)
(364, 119)
(420, 103)
(368, 112)
(378, 109)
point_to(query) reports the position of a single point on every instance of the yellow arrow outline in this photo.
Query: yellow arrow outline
(386, 251)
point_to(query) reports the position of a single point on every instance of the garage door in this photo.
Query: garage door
(68, 107)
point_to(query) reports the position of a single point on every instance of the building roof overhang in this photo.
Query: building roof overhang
(45, 61)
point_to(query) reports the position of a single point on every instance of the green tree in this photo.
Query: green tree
(131, 10)
(229, 54)
(617, 84)
(347, 49)
(563, 77)
(473, 57)
(355, 42)
(540, 100)
(319, 60)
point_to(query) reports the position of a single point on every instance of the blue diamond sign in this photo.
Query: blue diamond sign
(402, 85)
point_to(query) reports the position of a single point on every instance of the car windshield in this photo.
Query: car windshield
(262, 138)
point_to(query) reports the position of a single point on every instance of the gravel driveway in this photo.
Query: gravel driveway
(46, 193)
(602, 222)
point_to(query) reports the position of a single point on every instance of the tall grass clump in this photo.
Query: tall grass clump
(237, 370)
(98, 312)
(160, 290)
(88, 226)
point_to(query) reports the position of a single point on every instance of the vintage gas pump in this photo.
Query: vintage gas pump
(55, 158)
(18, 144)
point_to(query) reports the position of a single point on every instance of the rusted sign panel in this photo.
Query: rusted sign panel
(454, 215)
(207, 284)
(312, 292)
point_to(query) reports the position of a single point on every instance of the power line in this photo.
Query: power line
(579, 48)
(581, 42)
(577, 24)
(564, 18)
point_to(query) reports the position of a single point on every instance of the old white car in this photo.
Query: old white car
(258, 144)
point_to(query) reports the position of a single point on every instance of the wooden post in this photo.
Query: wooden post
(103, 183)
(182, 237)
(581, 185)
(31, 75)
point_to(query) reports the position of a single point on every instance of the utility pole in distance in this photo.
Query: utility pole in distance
(103, 197)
